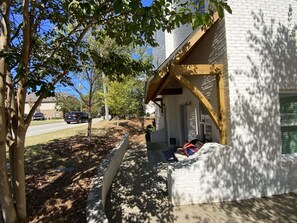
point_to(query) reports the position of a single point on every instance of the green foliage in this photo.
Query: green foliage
(150, 128)
(125, 98)
(116, 61)
(98, 98)
(67, 103)
(117, 65)
(58, 27)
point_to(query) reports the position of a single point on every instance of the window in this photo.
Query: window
(288, 110)
(205, 125)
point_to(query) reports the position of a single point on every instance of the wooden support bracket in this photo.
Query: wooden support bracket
(204, 101)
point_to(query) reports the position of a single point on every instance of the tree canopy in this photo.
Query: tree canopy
(125, 98)
(66, 103)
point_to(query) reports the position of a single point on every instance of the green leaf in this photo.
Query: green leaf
(220, 11)
(227, 8)
(117, 6)
(133, 5)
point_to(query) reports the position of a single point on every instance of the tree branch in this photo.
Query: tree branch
(17, 31)
(75, 48)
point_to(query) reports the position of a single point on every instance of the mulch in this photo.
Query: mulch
(58, 179)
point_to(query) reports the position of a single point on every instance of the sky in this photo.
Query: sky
(147, 2)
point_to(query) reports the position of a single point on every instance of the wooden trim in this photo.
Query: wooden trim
(163, 71)
(162, 84)
(204, 101)
(172, 68)
(175, 58)
(187, 47)
(171, 91)
(155, 83)
(222, 108)
(196, 69)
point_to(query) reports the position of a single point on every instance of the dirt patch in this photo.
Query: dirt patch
(59, 173)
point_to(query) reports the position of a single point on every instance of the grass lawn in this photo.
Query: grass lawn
(44, 122)
(61, 134)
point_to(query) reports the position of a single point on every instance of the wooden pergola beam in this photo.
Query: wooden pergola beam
(162, 84)
(196, 69)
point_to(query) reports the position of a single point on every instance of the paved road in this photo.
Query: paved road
(41, 129)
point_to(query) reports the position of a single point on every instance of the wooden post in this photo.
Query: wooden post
(222, 108)
(219, 119)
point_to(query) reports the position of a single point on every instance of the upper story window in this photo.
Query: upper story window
(288, 110)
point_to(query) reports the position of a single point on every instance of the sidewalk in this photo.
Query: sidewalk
(139, 194)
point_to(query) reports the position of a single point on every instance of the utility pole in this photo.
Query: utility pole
(105, 98)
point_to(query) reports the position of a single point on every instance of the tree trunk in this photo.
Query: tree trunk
(19, 175)
(105, 98)
(19, 166)
(91, 82)
(1, 218)
(142, 120)
(89, 133)
(7, 207)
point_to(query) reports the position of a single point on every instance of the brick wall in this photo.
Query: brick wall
(260, 62)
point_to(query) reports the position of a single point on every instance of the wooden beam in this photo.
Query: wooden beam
(171, 91)
(196, 69)
(222, 108)
(204, 101)
(156, 85)
(162, 84)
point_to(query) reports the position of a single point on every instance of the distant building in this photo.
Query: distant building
(48, 106)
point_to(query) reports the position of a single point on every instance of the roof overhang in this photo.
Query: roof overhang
(162, 76)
